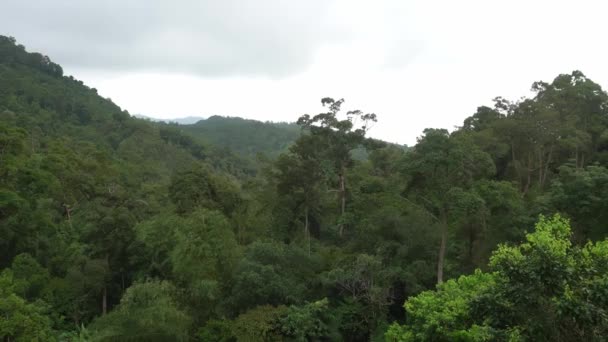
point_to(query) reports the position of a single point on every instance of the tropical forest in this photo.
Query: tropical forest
(118, 228)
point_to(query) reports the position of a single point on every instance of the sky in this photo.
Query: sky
(416, 64)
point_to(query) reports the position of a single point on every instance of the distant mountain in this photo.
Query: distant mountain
(248, 138)
(243, 136)
(188, 120)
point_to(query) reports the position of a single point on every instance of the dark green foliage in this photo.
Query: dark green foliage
(583, 195)
(259, 324)
(273, 273)
(204, 257)
(200, 188)
(147, 312)
(365, 285)
(248, 138)
(217, 331)
(10, 54)
(22, 320)
(309, 322)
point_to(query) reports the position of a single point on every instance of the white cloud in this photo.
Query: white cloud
(416, 64)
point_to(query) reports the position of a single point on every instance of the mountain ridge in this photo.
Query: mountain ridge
(187, 120)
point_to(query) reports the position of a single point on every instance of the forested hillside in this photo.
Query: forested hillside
(245, 137)
(249, 139)
(114, 228)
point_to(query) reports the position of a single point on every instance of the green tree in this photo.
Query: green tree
(21, 320)
(29, 277)
(216, 330)
(441, 169)
(259, 324)
(581, 193)
(157, 237)
(545, 288)
(273, 273)
(309, 322)
(299, 181)
(204, 257)
(198, 188)
(148, 311)
(363, 281)
(334, 139)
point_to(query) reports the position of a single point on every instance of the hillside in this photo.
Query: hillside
(245, 137)
(250, 138)
(115, 228)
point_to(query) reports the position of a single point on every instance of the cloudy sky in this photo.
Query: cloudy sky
(416, 64)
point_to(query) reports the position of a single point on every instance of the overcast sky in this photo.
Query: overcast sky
(416, 64)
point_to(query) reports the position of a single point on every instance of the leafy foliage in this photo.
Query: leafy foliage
(21, 320)
(147, 312)
(545, 288)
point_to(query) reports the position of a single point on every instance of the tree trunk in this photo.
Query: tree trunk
(546, 171)
(32, 140)
(540, 166)
(442, 247)
(529, 177)
(515, 166)
(342, 198)
(471, 241)
(104, 301)
(69, 214)
(307, 230)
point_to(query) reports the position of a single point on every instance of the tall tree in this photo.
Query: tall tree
(438, 165)
(204, 257)
(336, 138)
(300, 179)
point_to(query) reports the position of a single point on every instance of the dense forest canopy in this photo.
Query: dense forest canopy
(115, 228)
